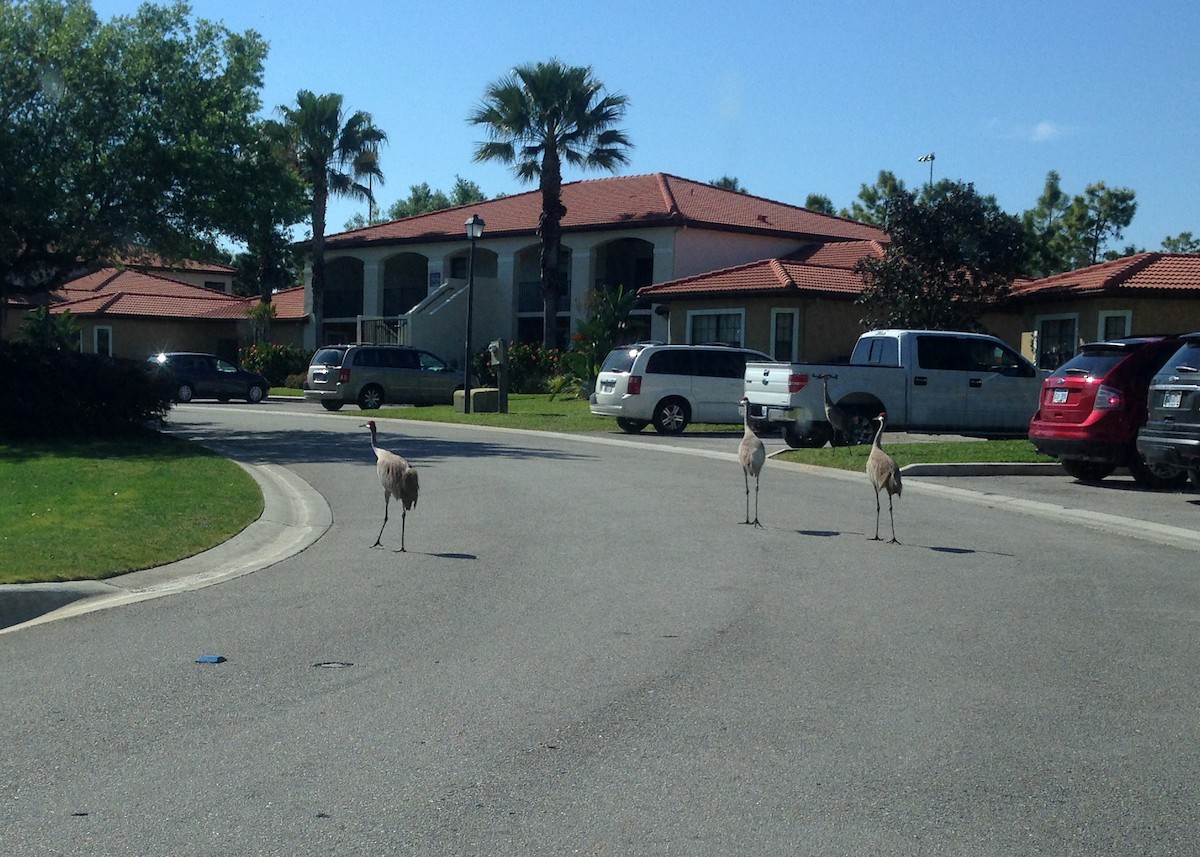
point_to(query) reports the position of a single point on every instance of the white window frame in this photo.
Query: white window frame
(697, 313)
(1105, 315)
(795, 314)
(1073, 317)
(96, 340)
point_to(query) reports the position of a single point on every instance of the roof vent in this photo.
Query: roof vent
(762, 218)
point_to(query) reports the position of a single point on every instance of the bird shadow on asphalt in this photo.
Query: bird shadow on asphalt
(828, 534)
(310, 446)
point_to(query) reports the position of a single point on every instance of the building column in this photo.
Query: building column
(372, 288)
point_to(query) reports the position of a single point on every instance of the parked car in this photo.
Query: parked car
(1171, 435)
(1093, 405)
(670, 386)
(374, 375)
(206, 376)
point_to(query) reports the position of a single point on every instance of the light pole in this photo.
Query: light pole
(928, 159)
(474, 232)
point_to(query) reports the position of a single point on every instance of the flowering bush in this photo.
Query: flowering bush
(275, 362)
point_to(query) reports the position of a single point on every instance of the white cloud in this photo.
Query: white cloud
(1042, 131)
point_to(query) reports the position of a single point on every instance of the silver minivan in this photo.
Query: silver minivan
(669, 386)
(374, 375)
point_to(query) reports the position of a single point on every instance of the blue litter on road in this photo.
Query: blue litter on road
(210, 659)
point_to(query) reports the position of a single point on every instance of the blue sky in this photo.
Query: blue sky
(791, 98)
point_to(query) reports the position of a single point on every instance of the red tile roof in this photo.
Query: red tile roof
(658, 199)
(826, 269)
(1141, 271)
(113, 292)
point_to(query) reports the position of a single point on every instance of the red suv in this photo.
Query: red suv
(1093, 405)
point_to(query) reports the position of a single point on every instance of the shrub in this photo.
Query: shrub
(275, 362)
(52, 393)
(299, 381)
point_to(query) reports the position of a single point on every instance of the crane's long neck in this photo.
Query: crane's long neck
(373, 443)
(878, 435)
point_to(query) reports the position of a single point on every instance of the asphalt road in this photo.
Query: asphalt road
(585, 652)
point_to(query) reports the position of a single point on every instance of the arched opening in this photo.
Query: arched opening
(405, 283)
(530, 305)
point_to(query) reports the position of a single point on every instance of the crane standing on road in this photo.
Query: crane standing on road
(841, 422)
(884, 473)
(752, 454)
(399, 480)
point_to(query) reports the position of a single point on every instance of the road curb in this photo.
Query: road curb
(294, 516)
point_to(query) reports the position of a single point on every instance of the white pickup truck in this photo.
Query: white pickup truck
(926, 381)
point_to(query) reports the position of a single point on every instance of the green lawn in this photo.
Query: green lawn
(86, 510)
(90, 510)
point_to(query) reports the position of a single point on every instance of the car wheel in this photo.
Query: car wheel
(818, 435)
(370, 397)
(255, 394)
(332, 404)
(1154, 475)
(631, 426)
(184, 393)
(671, 416)
(1086, 471)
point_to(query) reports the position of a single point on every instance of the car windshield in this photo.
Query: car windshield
(329, 357)
(620, 359)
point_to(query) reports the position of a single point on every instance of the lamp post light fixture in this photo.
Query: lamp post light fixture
(928, 159)
(474, 232)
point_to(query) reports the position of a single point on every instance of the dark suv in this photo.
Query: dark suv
(1093, 405)
(207, 376)
(1171, 435)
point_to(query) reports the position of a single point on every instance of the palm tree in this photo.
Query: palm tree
(333, 153)
(537, 117)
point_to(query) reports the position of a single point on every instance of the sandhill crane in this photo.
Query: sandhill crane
(399, 480)
(841, 421)
(752, 454)
(884, 473)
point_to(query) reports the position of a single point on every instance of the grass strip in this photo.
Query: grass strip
(91, 509)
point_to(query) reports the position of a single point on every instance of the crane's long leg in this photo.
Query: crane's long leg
(893, 519)
(877, 510)
(404, 516)
(756, 523)
(385, 517)
(746, 478)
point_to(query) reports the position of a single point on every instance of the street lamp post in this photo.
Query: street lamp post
(928, 159)
(474, 232)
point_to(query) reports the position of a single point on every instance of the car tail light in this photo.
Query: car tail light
(1108, 399)
(634, 387)
(796, 383)
(344, 375)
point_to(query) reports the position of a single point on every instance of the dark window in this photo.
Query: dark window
(366, 357)
(720, 364)
(670, 363)
(942, 352)
(329, 357)
(620, 360)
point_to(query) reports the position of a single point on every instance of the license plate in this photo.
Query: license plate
(1060, 397)
(607, 386)
(1172, 398)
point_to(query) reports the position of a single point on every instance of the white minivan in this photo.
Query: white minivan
(669, 386)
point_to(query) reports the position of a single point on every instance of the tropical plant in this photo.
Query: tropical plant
(607, 316)
(49, 331)
(538, 117)
(333, 153)
(260, 316)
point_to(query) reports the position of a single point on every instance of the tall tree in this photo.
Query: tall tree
(1098, 216)
(333, 153)
(871, 205)
(949, 259)
(536, 118)
(1181, 243)
(729, 183)
(119, 133)
(820, 203)
(1047, 247)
